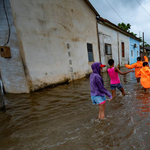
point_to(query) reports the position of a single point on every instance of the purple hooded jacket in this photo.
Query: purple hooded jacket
(96, 82)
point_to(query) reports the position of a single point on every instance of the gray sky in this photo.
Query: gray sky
(135, 12)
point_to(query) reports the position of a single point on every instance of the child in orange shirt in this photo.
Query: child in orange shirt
(144, 73)
(138, 65)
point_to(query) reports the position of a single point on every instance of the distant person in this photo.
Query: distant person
(114, 78)
(98, 90)
(144, 73)
(138, 65)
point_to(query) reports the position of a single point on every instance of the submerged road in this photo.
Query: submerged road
(63, 118)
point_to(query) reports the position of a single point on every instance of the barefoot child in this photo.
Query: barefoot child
(98, 90)
(138, 65)
(114, 78)
(144, 73)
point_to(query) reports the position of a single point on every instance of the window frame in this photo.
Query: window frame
(122, 49)
(132, 52)
(137, 53)
(106, 49)
(90, 52)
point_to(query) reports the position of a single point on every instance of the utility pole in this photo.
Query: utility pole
(143, 45)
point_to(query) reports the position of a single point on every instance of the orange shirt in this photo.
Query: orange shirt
(145, 59)
(144, 73)
(138, 65)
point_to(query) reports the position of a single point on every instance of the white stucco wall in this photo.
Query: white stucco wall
(44, 29)
(125, 39)
(12, 70)
(113, 37)
(109, 36)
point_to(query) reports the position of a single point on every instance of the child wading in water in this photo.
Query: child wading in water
(144, 73)
(138, 65)
(98, 90)
(114, 78)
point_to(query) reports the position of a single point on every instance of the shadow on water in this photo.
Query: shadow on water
(64, 118)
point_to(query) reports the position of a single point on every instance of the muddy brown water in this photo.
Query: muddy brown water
(63, 118)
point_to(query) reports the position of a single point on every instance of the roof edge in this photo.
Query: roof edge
(117, 28)
(92, 7)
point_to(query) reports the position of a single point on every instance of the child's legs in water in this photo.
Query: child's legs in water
(138, 80)
(101, 111)
(113, 89)
(146, 90)
(113, 93)
(122, 90)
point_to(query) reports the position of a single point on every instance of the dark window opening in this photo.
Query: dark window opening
(122, 47)
(90, 52)
(108, 50)
(2, 50)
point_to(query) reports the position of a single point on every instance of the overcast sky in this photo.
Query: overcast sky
(135, 12)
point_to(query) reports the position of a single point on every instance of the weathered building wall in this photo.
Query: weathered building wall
(53, 37)
(114, 38)
(109, 36)
(135, 50)
(125, 39)
(12, 71)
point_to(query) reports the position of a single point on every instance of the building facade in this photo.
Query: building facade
(114, 43)
(134, 50)
(56, 42)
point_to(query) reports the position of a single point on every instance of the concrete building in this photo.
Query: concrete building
(50, 42)
(11, 69)
(134, 50)
(114, 43)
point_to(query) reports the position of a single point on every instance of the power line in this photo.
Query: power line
(143, 8)
(115, 10)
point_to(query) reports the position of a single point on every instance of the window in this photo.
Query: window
(137, 53)
(131, 53)
(122, 47)
(90, 52)
(108, 49)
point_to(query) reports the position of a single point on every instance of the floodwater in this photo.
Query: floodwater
(63, 118)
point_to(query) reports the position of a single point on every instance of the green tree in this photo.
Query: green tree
(124, 26)
(145, 43)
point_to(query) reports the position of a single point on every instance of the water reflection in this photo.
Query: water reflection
(64, 118)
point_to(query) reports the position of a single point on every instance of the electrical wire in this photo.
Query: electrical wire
(115, 10)
(143, 8)
(7, 24)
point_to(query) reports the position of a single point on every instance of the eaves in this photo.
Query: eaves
(116, 28)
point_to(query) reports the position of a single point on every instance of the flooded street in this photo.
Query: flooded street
(63, 118)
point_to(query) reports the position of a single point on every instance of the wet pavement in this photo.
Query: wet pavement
(63, 118)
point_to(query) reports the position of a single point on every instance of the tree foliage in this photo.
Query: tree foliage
(126, 27)
(145, 43)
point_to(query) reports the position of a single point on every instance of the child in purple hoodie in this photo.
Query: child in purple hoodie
(98, 90)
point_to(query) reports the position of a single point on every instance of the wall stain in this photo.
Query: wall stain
(63, 26)
(75, 39)
(42, 22)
